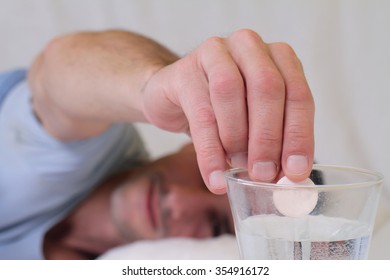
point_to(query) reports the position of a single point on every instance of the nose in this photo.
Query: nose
(186, 214)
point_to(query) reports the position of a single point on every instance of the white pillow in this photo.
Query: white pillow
(222, 247)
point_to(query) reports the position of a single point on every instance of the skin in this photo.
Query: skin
(243, 101)
(149, 202)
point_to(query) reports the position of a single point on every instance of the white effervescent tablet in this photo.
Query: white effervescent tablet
(295, 202)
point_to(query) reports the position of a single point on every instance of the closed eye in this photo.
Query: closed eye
(221, 225)
(216, 226)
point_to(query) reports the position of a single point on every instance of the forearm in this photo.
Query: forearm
(84, 82)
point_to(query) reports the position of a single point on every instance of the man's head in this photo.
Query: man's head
(167, 198)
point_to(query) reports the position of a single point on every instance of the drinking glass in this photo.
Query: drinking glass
(338, 227)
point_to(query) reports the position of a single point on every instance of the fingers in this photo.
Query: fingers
(248, 103)
(265, 92)
(280, 108)
(298, 133)
(205, 136)
(217, 113)
(227, 96)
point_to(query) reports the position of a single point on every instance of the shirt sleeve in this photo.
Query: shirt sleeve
(42, 179)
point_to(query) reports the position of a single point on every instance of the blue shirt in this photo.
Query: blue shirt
(41, 178)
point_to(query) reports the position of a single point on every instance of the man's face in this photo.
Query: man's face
(167, 198)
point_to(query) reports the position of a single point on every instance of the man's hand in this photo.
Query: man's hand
(242, 101)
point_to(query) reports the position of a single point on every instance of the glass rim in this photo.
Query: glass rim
(377, 178)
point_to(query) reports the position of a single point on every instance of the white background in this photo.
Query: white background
(344, 47)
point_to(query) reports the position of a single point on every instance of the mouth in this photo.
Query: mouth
(152, 204)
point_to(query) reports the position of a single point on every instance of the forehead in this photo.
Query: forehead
(180, 167)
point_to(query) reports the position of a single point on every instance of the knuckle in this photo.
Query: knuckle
(297, 135)
(212, 42)
(268, 138)
(246, 36)
(234, 141)
(208, 151)
(204, 116)
(284, 48)
(301, 112)
(269, 82)
(301, 95)
(225, 84)
(287, 51)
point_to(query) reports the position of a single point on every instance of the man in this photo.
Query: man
(165, 198)
(69, 151)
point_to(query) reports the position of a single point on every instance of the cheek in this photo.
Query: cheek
(129, 213)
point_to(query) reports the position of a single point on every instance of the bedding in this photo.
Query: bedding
(218, 248)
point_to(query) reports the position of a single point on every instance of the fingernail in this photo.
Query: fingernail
(297, 164)
(264, 170)
(239, 160)
(217, 180)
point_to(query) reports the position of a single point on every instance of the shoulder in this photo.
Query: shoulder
(9, 79)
